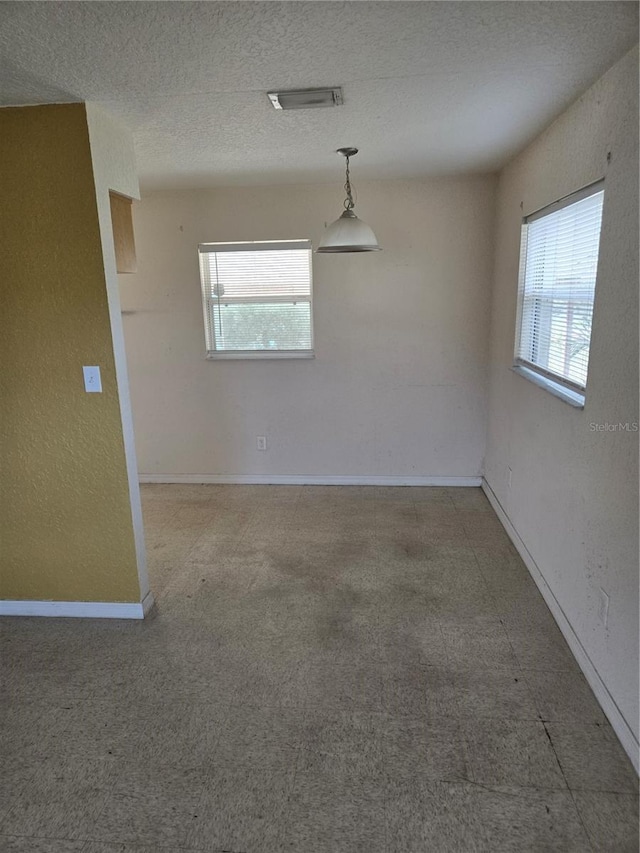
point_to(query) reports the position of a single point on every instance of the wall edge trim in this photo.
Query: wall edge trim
(78, 609)
(607, 702)
(311, 479)
(147, 603)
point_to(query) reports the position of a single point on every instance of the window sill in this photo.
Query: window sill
(573, 398)
(259, 354)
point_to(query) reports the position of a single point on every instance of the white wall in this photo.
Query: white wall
(398, 385)
(114, 168)
(573, 499)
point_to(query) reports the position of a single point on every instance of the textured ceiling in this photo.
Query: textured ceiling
(430, 87)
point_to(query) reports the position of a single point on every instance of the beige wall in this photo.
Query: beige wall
(398, 385)
(574, 493)
(67, 530)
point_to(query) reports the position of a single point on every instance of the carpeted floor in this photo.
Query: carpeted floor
(328, 670)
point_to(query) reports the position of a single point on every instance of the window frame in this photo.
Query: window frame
(571, 392)
(247, 246)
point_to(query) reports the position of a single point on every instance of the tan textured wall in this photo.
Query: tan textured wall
(66, 529)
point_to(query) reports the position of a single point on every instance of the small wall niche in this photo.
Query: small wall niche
(122, 221)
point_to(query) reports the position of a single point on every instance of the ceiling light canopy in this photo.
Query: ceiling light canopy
(306, 99)
(348, 233)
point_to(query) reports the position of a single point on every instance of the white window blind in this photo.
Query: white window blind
(257, 299)
(558, 265)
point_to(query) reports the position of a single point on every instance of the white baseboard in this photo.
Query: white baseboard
(606, 700)
(311, 479)
(79, 609)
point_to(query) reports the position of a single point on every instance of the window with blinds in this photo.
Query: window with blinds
(257, 299)
(558, 266)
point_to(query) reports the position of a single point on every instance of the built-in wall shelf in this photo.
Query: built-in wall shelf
(122, 222)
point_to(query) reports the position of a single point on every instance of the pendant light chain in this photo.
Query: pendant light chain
(348, 202)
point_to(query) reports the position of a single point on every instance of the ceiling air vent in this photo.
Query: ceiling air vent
(306, 99)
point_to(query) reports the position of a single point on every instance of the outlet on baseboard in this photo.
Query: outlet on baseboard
(261, 442)
(603, 608)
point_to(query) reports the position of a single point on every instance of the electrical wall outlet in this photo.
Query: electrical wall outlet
(261, 442)
(603, 608)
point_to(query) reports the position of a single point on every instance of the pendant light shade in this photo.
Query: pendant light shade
(348, 233)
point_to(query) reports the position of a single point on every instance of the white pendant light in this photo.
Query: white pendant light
(348, 233)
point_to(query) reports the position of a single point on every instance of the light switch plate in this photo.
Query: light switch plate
(92, 380)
